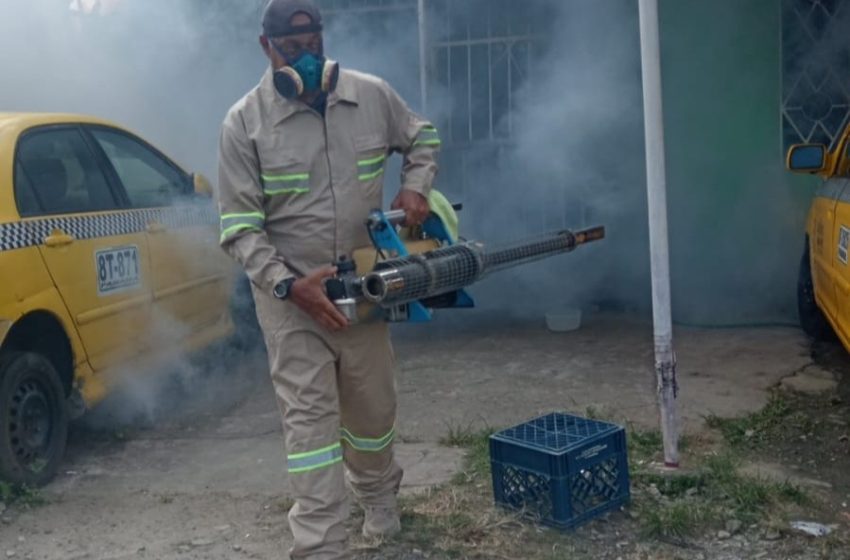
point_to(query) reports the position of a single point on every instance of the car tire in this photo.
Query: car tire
(33, 419)
(812, 319)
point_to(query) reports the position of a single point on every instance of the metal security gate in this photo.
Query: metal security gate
(480, 57)
(816, 70)
(481, 53)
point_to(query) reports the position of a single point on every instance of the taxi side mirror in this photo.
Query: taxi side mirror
(806, 158)
(201, 185)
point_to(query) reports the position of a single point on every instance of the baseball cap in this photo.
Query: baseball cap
(278, 15)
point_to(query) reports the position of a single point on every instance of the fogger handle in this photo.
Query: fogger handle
(396, 217)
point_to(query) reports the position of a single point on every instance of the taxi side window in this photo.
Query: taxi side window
(57, 173)
(28, 204)
(148, 178)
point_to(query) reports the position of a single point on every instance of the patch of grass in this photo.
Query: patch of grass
(676, 486)
(684, 504)
(479, 455)
(644, 445)
(648, 445)
(459, 436)
(803, 422)
(756, 428)
(449, 520)
(417, 529)
(645, 440)
(593, 413)
(459, 520)
(722, 469)
(477, 459)
(750, 497)
(675, 520)
(790, 493)
(20, 494)
(457, 523)
(477, 445)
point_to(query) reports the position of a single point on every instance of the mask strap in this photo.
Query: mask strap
(279, 51)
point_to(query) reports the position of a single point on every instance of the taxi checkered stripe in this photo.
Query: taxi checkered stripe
(32, 232)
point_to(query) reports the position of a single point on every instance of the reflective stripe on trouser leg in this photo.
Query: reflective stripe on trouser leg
(368, 410)
(367, 445)
(303, 371)
(298, 463)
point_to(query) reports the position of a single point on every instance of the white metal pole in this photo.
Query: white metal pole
(423, 55)
(665, 359)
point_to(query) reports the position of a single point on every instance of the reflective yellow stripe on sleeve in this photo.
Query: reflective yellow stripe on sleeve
(428, 136)
(231, 224)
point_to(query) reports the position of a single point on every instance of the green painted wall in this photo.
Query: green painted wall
(736, 216)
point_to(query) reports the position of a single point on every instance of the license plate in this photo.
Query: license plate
(118, 269)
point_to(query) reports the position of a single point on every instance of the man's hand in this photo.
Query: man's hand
(414, 205)
(308, 293)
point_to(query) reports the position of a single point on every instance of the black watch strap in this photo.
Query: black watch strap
(281, 290)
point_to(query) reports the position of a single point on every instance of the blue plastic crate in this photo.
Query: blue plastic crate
(561, 470)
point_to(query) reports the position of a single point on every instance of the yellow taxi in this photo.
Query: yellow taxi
(108, 258)
(823, 287)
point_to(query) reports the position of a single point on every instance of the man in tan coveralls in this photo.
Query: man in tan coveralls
(302, 158)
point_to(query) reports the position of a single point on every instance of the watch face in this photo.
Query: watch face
(281, 290)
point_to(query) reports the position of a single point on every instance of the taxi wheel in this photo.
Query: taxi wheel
(812, 319)
(33, 419)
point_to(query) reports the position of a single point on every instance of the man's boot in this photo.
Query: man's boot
(381, 521)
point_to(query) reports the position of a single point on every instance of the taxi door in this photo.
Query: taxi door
(189, 271)
(825, 230)
(841, 245)
(97, 257)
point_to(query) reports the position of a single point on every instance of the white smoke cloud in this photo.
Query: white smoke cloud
(170, 70)
(575, 160)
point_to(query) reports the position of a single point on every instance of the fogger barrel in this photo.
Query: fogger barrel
(448, 269)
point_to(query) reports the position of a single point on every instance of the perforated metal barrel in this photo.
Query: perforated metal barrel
(449, 269)
(529, 250)
(430, 274)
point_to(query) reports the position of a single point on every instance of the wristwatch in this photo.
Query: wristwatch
(281, 290)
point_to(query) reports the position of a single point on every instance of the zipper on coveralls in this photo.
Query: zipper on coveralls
(330, 177)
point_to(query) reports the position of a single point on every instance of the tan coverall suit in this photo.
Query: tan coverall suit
(295, 190)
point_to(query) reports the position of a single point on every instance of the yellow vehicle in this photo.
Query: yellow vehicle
(108, 257)
(823, 288)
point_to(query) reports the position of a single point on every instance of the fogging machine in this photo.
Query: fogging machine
(410, 271)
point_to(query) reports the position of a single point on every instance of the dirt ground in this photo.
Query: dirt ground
(815, 443)
(190, 465)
